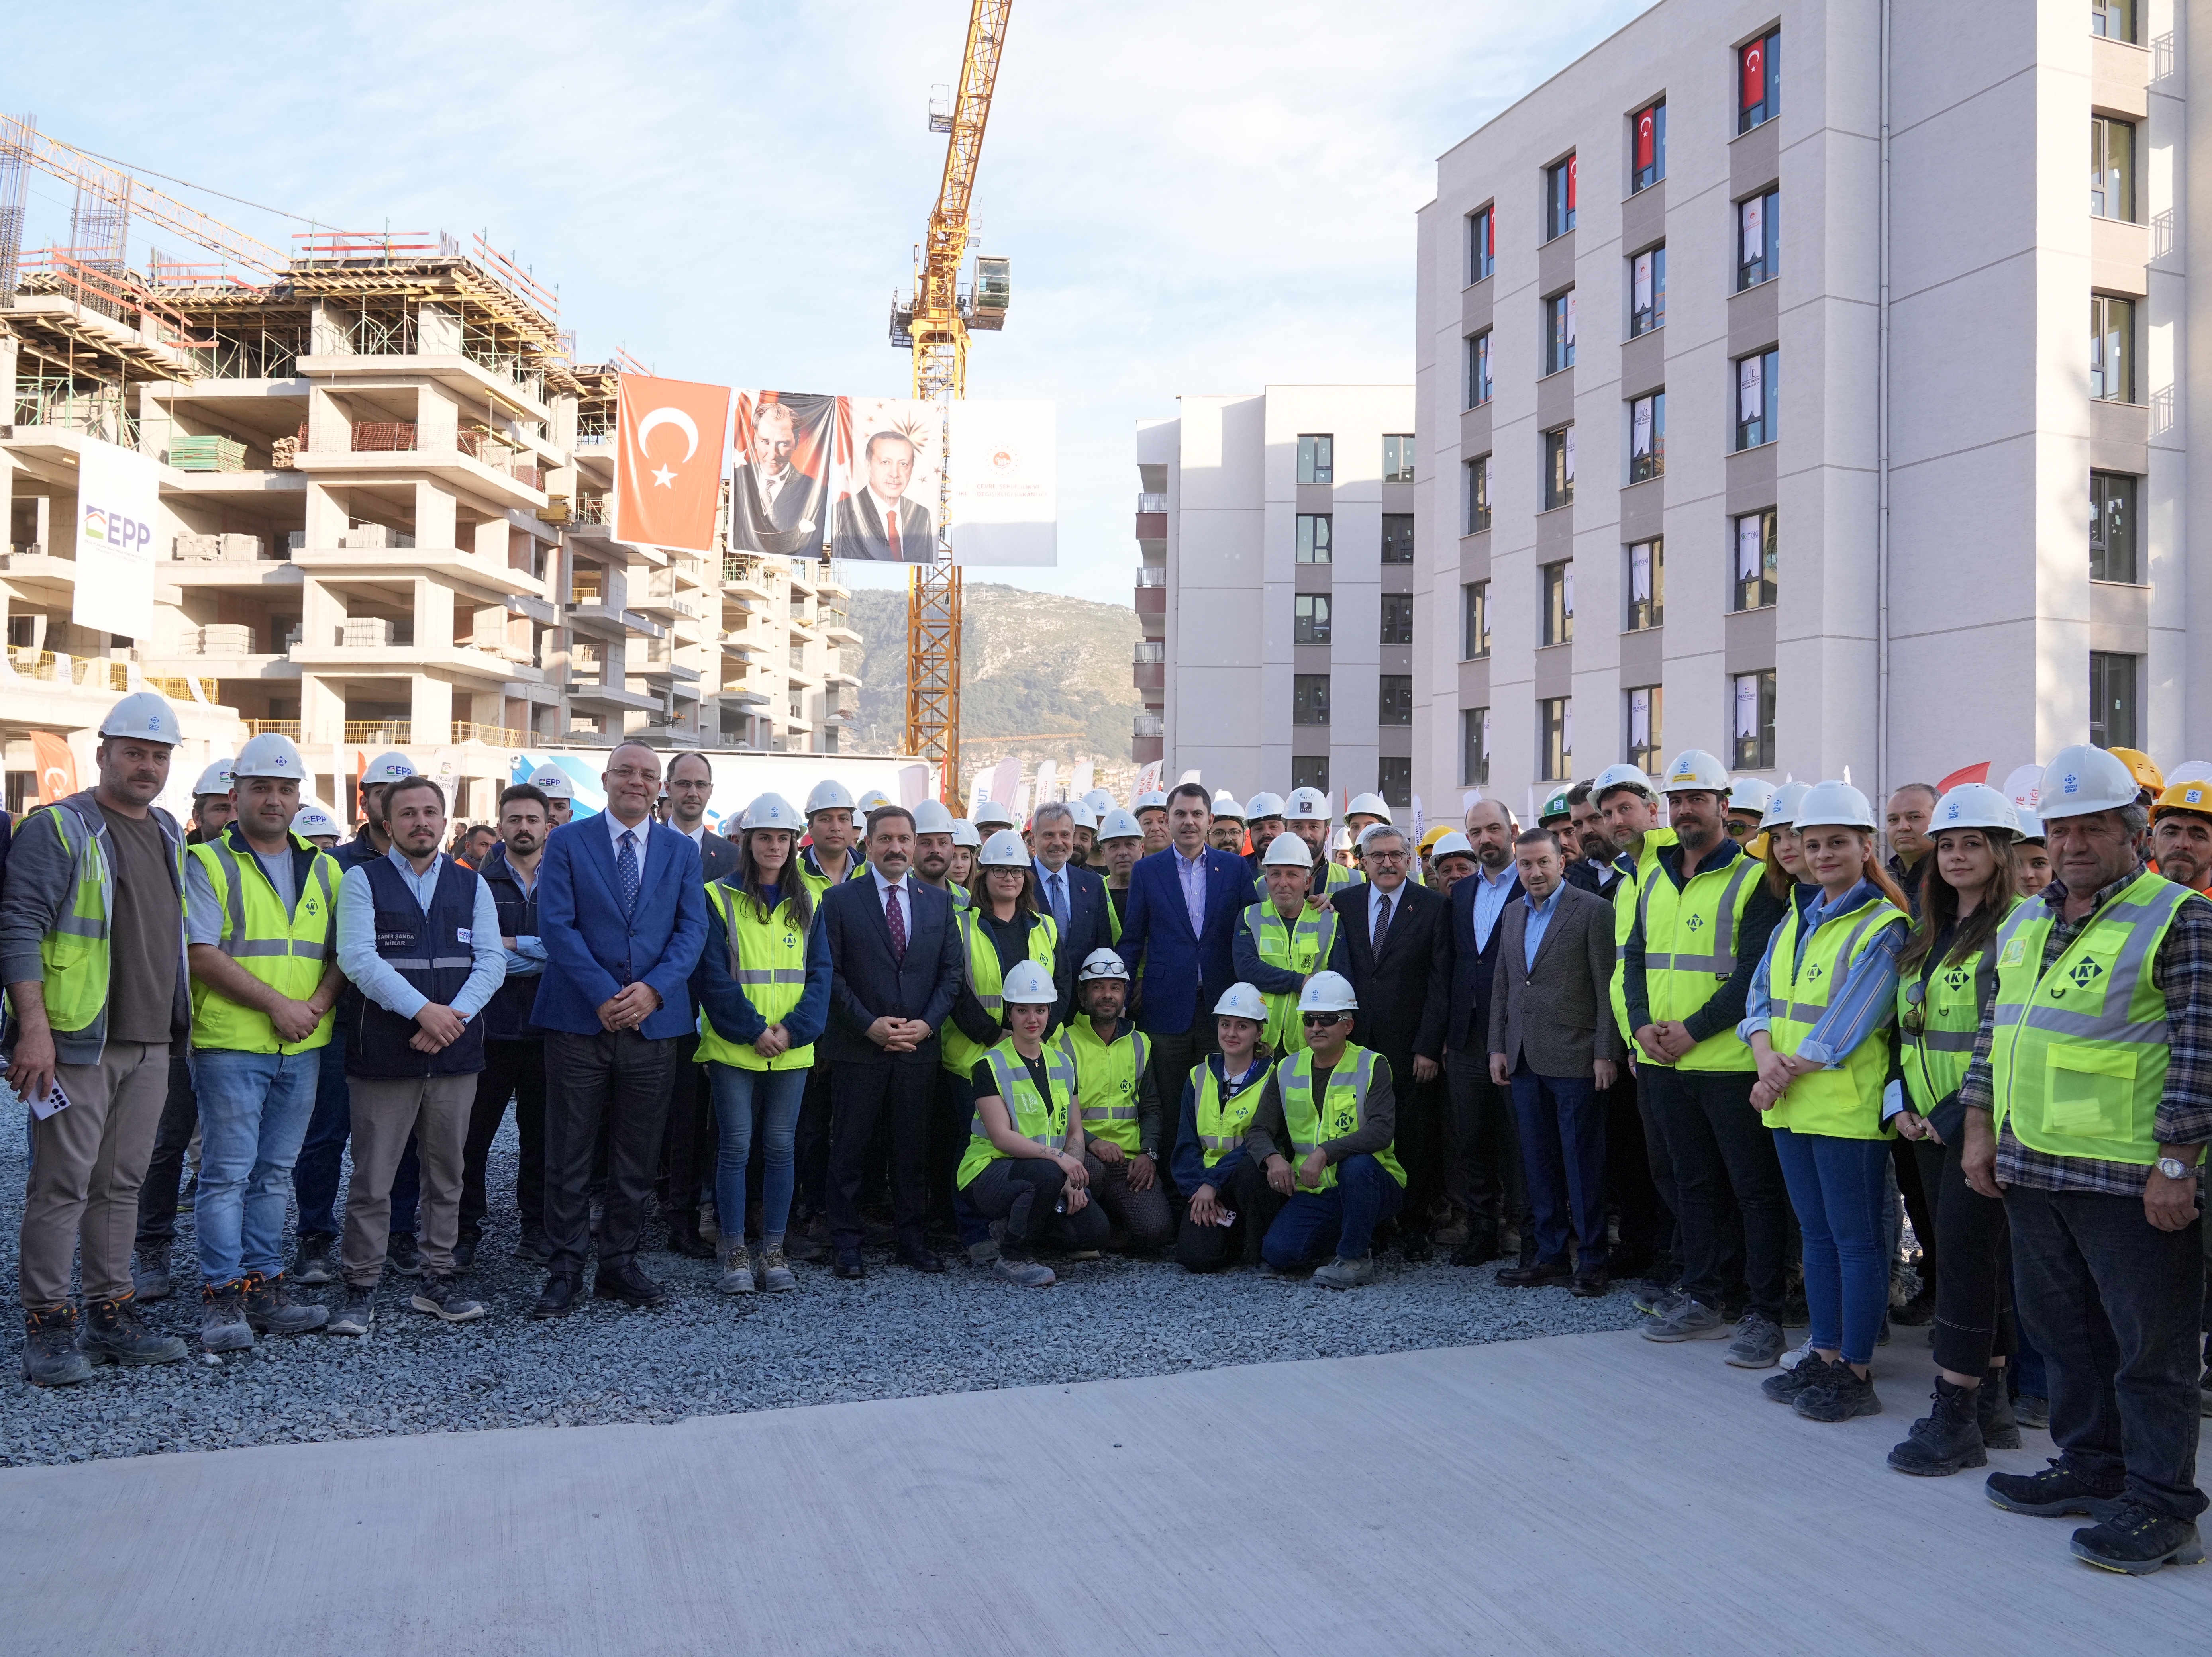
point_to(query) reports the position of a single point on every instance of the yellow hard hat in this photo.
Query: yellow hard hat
(2192, 797)
(2141, 767)
(1434, 834)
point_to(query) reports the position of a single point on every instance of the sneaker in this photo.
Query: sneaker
(1022, 1274)
(113, 1333)
(1655, 1299)
(1947, 1438)
(150, 1283)
(271, 1310)
(1341, 1273)
(1797, 1354)
(223, 1327)
(358, 1315)
(1784, 1384)
(2135, 1541)
(2057, 1490)
(1690, 1321)
(1993, 1413)
(737, 1264)
(776, 1273)
(50, 1357)
(2030, 1411)
(403, 1253)
(1843, 1394)
(533, 1245)
(313, 1267)
(440, 1296)
(1757, 1342)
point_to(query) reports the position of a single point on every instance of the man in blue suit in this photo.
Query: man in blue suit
(623, 914)
(1074, 897)
(1179, 935)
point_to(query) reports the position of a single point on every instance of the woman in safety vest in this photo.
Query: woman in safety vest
(2031, 855)
(1785, 858)
(966, 842)
(1824, 990)
(1000, 926)
(1947, 976)
(1024, 1170)
(1218, 1102)
(764, 995)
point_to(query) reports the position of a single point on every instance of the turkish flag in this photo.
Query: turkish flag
(1970, 774)
(57, 767)
(1647, 125)
(671, 442)
(1570, 184)
(1755, 73)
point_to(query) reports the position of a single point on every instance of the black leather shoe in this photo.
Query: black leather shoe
(1540, 1274)
(683, 1239)
(849, 1264)
(628, 1284)
(1480, 1249)
(1591, 1285)
(558, 1298)
(921, 1258)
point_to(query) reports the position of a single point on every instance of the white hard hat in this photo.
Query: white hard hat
(1101, 963)
(1263, 804)
(1620, 776)
(1121, 825)
(1083, 816)
(990, 814)
(829, 795)
(1750, 794)
(392, 766)
(268, 755)
(2031, 825)
(216, 779)
(1099, 801)
(932, 816)
(1004, 850)
(2082, 780)
(1369, 806)
(874, 799)
(1241, 1001)
(1155, 801)
(1781, 810)
(1452, 845)
(1974, 805)
(770, 811)
(1308, 805)
(1344, 840)
(1028, 985)
(312, 820)
(1833, 805)
(143, 713)
(551, 781)
(1286, 851)
(1327, 992)
(965, 833)
(1226, 805)
(1695, 771)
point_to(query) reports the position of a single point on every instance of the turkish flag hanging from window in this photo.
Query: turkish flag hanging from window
(1755, 73)
(57, 767)
(1647, 137)
(1570, 184)
(671, 440)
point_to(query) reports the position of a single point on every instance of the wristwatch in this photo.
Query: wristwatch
(2174, 1168)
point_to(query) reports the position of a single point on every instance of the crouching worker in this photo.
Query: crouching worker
(1121, 1105)
(1024, 1167)
(1231, 1205)
(1332, 1104)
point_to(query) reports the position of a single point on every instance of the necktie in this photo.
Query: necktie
(1060, 902)
(626, 870)
(1381, 924)
(896, 918)
(890, 530)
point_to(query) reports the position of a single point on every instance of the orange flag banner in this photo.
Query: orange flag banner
(671, 442)
(1965, 774)
(57, 767)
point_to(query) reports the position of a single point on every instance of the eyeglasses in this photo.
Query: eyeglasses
(1322, 1020)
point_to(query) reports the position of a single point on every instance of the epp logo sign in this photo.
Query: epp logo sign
(117, 530)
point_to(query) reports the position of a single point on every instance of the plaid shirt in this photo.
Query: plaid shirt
(2183, 970)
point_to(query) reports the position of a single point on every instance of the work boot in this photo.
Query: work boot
(737, 1264)
(2135, 1541)
(2057, 1490)
(313, 1265)
(1947, 1438)
(150, 1281)
(1993, 1413)
(776, 1273)
(1842, 1395)
(404, 1255)
(271, 1310)
(1341, 1273)
(50, 1357)
(223, 1327)
(1022, 1274)
(112, 1333)
(357, 1315)
(441, 1297)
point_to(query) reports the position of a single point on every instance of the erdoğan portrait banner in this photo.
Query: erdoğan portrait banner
(671, 440)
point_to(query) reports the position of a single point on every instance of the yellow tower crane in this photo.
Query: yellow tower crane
(935, 322)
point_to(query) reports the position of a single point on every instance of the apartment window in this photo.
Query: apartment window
(1647, 437)
(1559, 331)
(1650, 155)
(2113, 18)
(1309, 771)
(1396, 701)
(1559, 198)
(1757, 238)
(1397, 538)
(1310, 699)
(1474, 621)
(1559, 467)
(1759, 96)
(1393, 780)
(2111, 527)
(1644, 736)
(1473, 747)
(1481, 244)
(1311, 612)
(1397, 618)
(1647, 586)
(1478, 494)
(1398, 457)
(1754, 720)
(1757, 393)
(2112, 349)
(1555, 731)
(1478, 369)
(1756, 553)
(1647, 290)
(1558, 584)
(1315, 530)
(2112, 168)
(1316, 458)
(2113, 719)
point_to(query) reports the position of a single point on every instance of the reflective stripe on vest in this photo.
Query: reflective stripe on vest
(289, 953)
(768, 959)
(74, 956)
(959, 1054)
(1678, 981)
(1301, 946)
(1042, 1122)
(1341, 1111)
(1844, 1103)
(1221, 1121)
(1107, 1074)
(1949, 994)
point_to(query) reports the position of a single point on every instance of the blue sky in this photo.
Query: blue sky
(1199, 196)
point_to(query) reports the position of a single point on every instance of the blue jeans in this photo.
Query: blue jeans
(315, 1176)
(254, 1108)
(744, 1100)
(1562, 1154)
(1837, 1187)
(1339, 1221)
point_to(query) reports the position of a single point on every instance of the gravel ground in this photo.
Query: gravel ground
(897, 1334)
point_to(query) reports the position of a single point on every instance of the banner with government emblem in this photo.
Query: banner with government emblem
(1005, 485)
(671, 442)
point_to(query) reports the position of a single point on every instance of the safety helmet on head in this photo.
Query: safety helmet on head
(1226, 806)
(1004, 850)
(1263, 804)
(1978, 805)
(1695, 771)
(1369, 806)
(1082, 815)
(1101, 963)
(830, 795)
(988, 813)
(1099, 801)
(1833, 805)
(311, 820)
(1344, 840)
(145, 714)
(1553, 808)
(392, 766)
(1241, 1000)
(1028, 985)
(1750, 795)
(1119, 825)
(216, 779)
(268, 755)
(1308, 805)
(965, 833)
(1154, 801)
(1327, 992)
(1781, 810)
(2031, 827)
(1620, 776)
(1435, 833)
(2143, 769)
(873, 800)
(2082, 780)
(551, 781)
(1452, 845)
(1286, 851)
(2194, 797)
(932, 816)
(770, 811)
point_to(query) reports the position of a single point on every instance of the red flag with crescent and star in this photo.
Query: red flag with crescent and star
(671, 449)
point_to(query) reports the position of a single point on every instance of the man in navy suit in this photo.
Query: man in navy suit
(1074, 897)
(1180, 935)
(895, 968)
(624, 915)
(1490, 1182)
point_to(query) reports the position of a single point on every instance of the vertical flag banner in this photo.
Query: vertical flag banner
(1755, 74)
(1005, 485)
(1647, 137)
(780, 494)
(1083, 780)
(889, 473)
(1965, 774)
(669, 448)
(119, 493)
(57, 767)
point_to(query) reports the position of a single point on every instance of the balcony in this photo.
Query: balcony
(1147, 738)
(1152, 592)
(1151, 517)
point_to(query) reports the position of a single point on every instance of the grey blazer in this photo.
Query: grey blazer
(1556, 1011)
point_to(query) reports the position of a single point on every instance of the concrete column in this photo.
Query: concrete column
(322, 616)
(327, 329)
(329, 431)
(487, 539)
(437, 333)
(322, 710)
(434, 615)
(437, 419)
(431, 708)
(326, 517)
(434, 515)
(564, 422)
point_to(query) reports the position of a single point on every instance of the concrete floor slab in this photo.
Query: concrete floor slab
(1582, 1494)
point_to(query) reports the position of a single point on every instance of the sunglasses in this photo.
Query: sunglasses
(1914, 1019)
(1322, 1020)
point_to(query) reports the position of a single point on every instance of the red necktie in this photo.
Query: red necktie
(890, 528)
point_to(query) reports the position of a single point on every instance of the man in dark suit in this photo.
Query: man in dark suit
(1553, 1042)
(624, 914)
(879, 522)
(895, 968)
(1179, 938)
(1487, 1148)
(687, 1143)
(778, 508)
(1074, 897)
(1394, 942)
